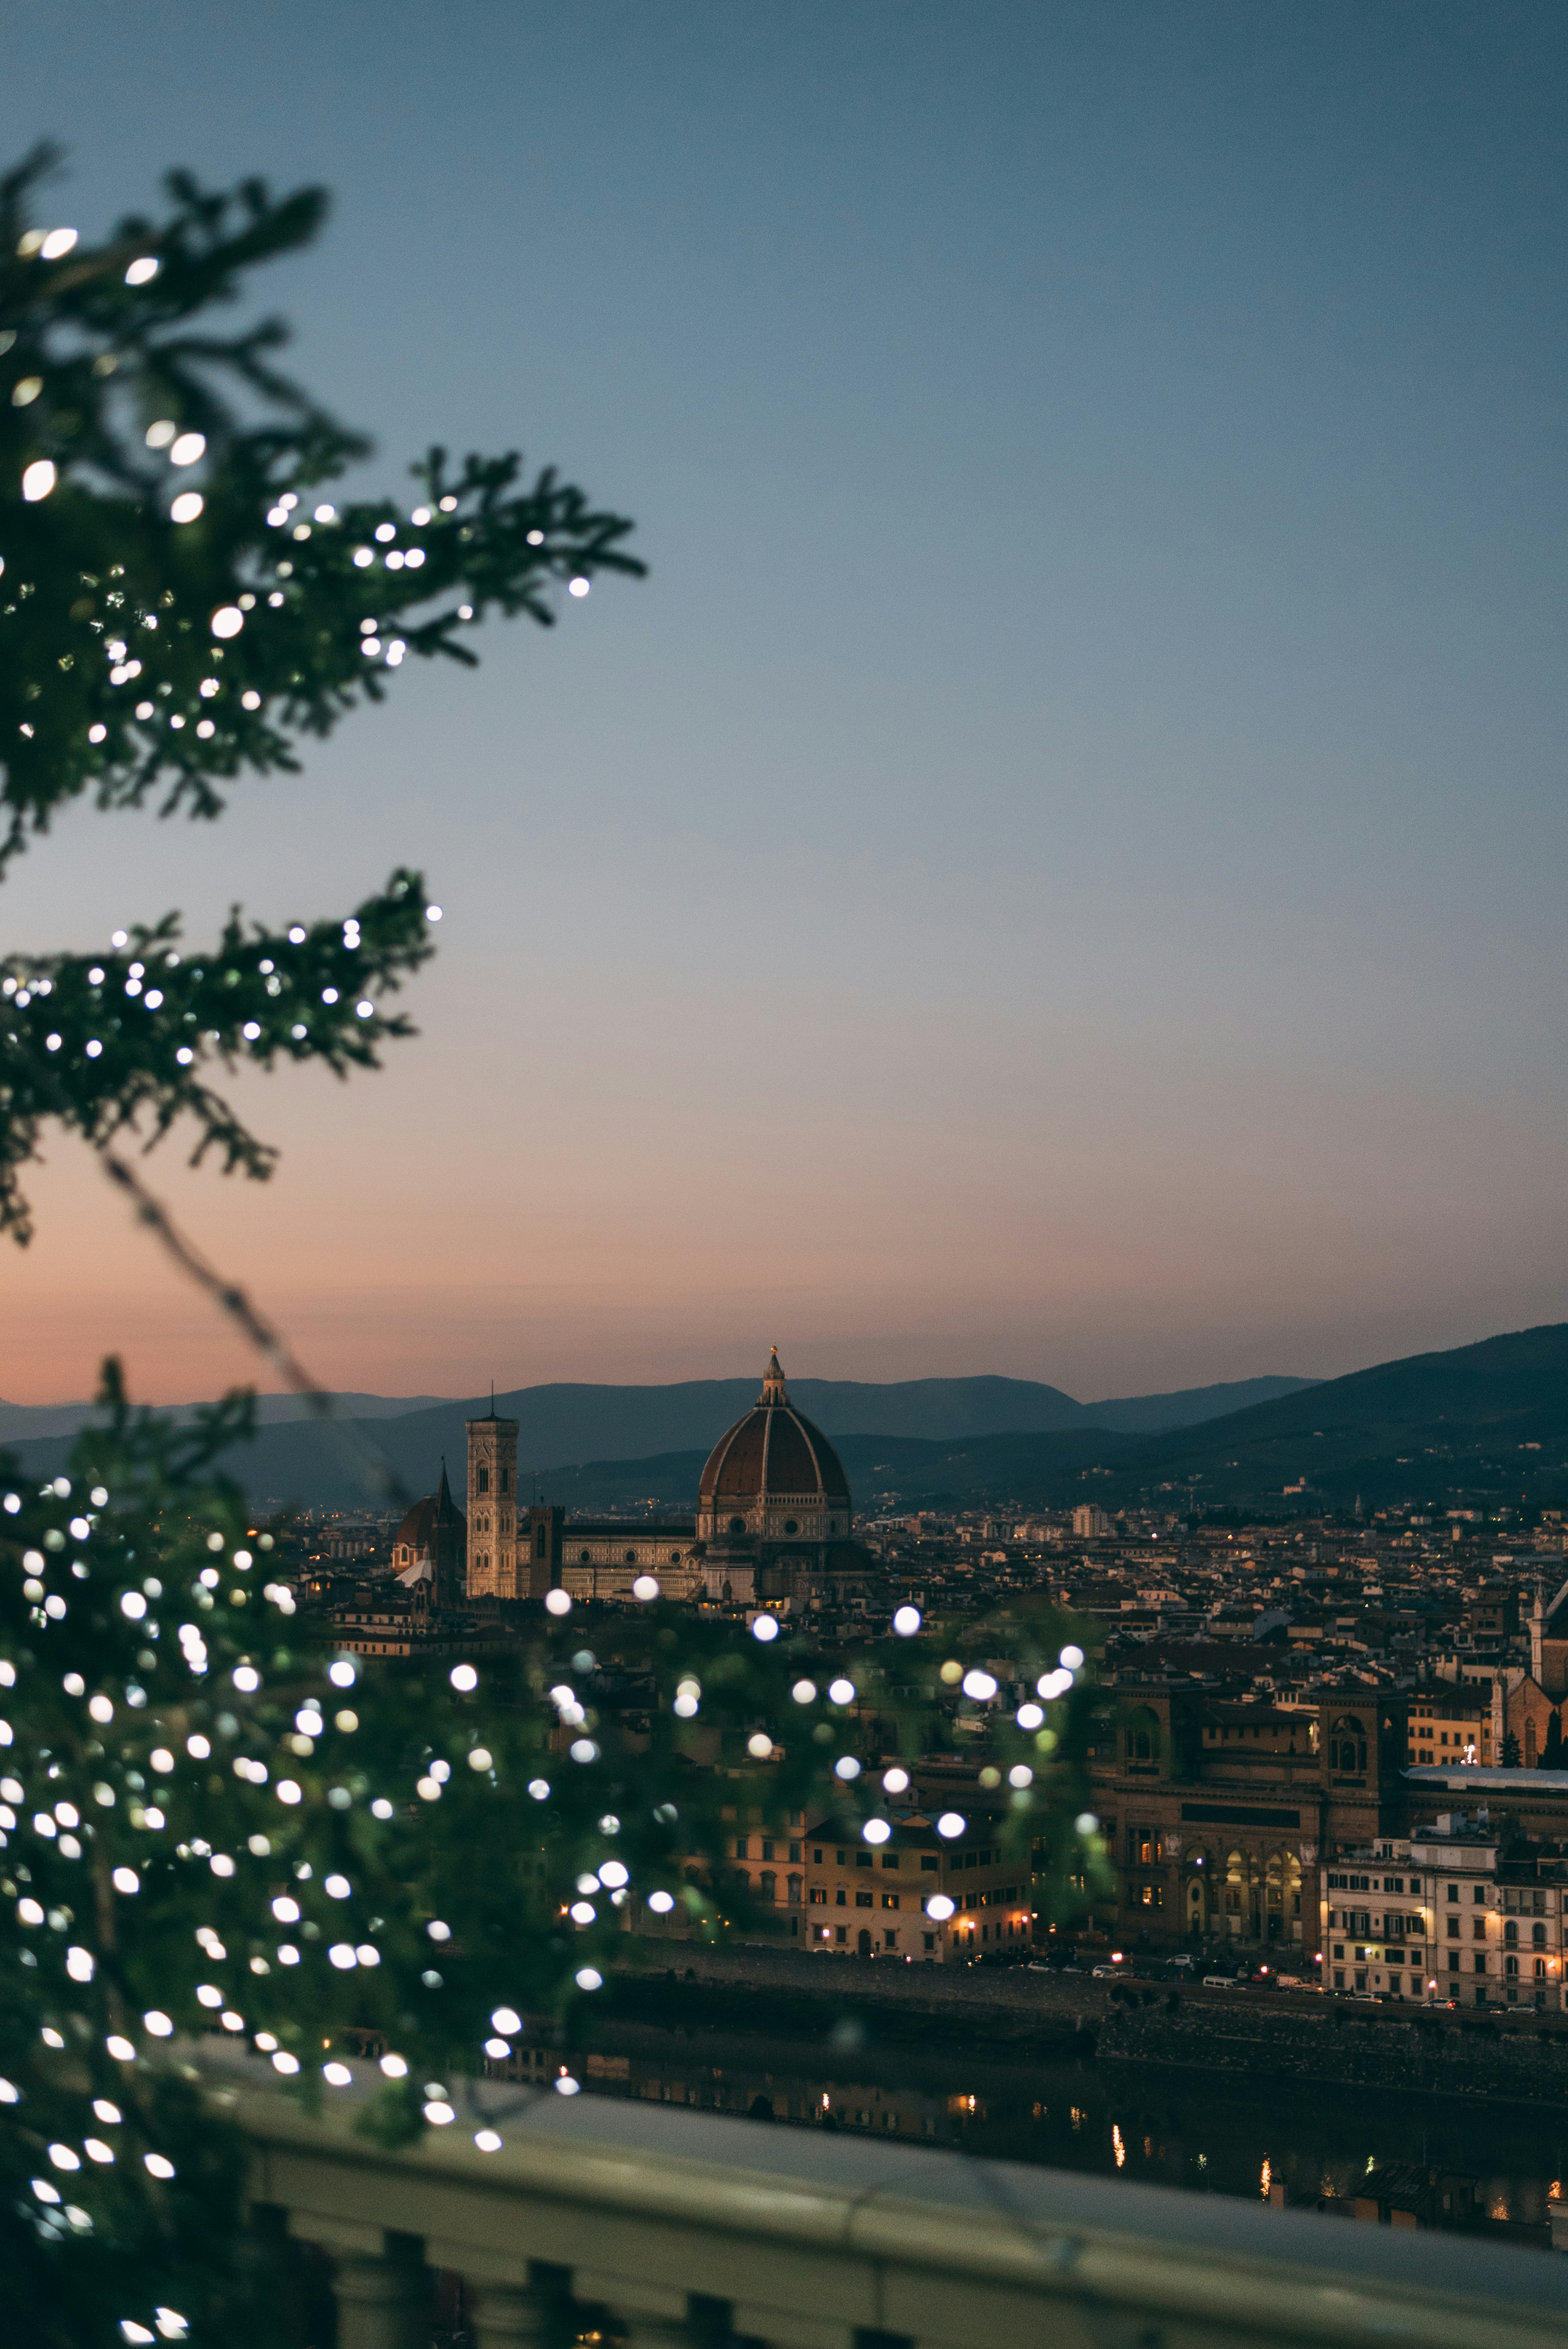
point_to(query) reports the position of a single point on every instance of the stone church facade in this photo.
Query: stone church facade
(774, 1525)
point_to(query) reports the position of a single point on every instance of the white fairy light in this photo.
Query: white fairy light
(644, 1587)
(337, 2076)
(766, 1629)
(1029, 1716)
(143, 271)
(37, 480)
(578, 586)
(558, 1602)
(1071, 1659)
(1020, 1775)
(228, 620)
(760, 1747)
(58, 244)
(185, 508)
(188, 449)
(159, 434)
(661, 1903)
(895, 1781)
(951, 1824)
(846, 1766)
(804, 1691)
(979, 1685)
(589, 1978)
(876, 1831)
(939, 1906)
(841, 1691)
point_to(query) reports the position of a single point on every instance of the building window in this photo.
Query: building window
(891, 1858)
(930, 1863)
(767, 1846)
(865, 1900)
(768, 1888)
(841, 1900)
(794, 1892)
(890, 1900)
(929, 1941)
(889, 1939)
(484, 1480)
(742, 1849)
(1480, 1962)
(817, 1896)
(790, 1525)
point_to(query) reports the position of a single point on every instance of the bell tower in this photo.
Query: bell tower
(493, 1508)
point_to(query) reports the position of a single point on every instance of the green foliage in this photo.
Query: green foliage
(112, 674)
(101, 1042)
(142, 653)
(209, 1822)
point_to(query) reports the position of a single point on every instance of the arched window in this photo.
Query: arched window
(767, 1886)
(738, 1525)
(631, 1558)
(505, 1488)
(1347, 1746)
(795, 1892)
(1142, 1736)
(484, 1480)
(1538, 1936)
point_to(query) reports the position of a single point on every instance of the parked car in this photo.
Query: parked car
(1107, 1973)
(1221, 1982)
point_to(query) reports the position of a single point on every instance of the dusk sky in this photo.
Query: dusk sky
(1059, 869)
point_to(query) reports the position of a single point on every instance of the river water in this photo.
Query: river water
(1161, 2125)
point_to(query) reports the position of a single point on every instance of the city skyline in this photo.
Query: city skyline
(1055, 873)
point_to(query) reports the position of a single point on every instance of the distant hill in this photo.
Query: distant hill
(564, 1425)
(22, 1422)
(1478, 1423)
(1485, 1421)
(1477, 1426)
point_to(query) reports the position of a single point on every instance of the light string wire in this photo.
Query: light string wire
(257, 1331)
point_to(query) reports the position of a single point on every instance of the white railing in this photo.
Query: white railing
(689, 2231)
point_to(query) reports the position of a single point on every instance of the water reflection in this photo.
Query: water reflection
(1278, 2143)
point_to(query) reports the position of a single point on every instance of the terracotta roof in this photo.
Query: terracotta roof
(774, 1452)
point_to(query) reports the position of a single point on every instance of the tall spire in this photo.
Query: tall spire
(773, 1387)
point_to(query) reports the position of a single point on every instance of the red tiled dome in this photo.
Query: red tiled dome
(774, 1452)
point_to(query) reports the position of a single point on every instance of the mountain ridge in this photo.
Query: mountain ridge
(564, 1425)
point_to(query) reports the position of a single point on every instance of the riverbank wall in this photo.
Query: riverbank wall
(1305, 2039)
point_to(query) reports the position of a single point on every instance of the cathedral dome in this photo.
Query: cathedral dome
(773, 1473)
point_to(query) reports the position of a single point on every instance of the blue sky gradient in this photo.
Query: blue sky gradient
(1059, 869)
